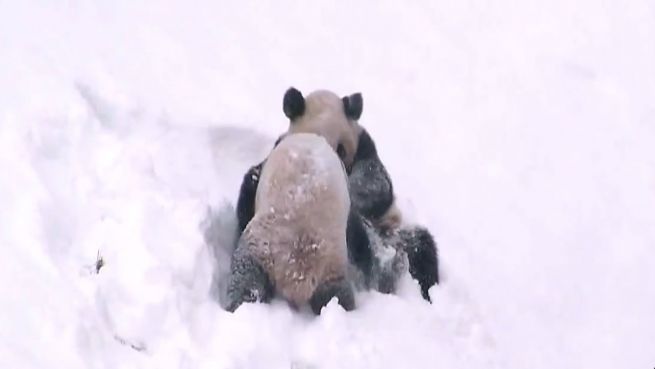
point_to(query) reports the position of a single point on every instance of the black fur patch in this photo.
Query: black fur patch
(366, 147)
(248, 281)
(246, 201)
(353, 105)
(340, 289)
(422, 257)
(293, 104)
(359, 246)
(341, 152)
(279, 139)
(371, 190)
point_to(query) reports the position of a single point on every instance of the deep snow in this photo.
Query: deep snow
(520, 133)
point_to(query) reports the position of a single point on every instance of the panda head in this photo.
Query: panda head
(324, 113)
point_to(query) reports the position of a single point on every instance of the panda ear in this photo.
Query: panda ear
(353, 105)
(293, 103)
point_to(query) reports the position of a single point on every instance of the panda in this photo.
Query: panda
(295, 244)
(375, 228)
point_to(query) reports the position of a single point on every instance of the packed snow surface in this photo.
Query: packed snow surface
(521, 133)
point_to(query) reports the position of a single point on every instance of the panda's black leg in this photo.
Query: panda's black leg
(422, 256)
(340, 288)
(359, 246)
(247, 192)
(248, 281)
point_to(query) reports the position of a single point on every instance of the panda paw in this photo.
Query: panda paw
(341, 289)
(248, 281)
(251, 179)
(254, 173)
(422, 256)
(247, 296)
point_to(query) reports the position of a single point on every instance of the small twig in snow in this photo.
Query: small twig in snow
(100, 262)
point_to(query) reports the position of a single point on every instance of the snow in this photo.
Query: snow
(520, 133)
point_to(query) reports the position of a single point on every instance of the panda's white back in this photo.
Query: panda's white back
(301, 213)
(303, 173)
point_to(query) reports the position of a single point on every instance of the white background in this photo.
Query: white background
(521, 133)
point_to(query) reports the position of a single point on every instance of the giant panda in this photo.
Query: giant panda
(294, 246)
(375, 228)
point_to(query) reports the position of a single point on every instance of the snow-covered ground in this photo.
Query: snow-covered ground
(521, 133)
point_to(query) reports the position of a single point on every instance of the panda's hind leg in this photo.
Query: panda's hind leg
(340, 288)
(248, 281)
(422, 256)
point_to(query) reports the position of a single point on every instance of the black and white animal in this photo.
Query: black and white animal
(378, 244)
(295, 244)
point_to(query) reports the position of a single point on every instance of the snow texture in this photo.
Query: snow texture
(520, 133)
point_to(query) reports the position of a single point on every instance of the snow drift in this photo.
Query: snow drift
(519, 133)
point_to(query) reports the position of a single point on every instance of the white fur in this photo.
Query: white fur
(298, 233)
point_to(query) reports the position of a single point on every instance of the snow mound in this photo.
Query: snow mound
(521, 134)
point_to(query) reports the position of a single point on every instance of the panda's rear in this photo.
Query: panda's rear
(298, 233)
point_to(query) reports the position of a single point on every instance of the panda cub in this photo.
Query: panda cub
(295, 244)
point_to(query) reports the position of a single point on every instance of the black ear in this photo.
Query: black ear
(353, 105)
(293, 103)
